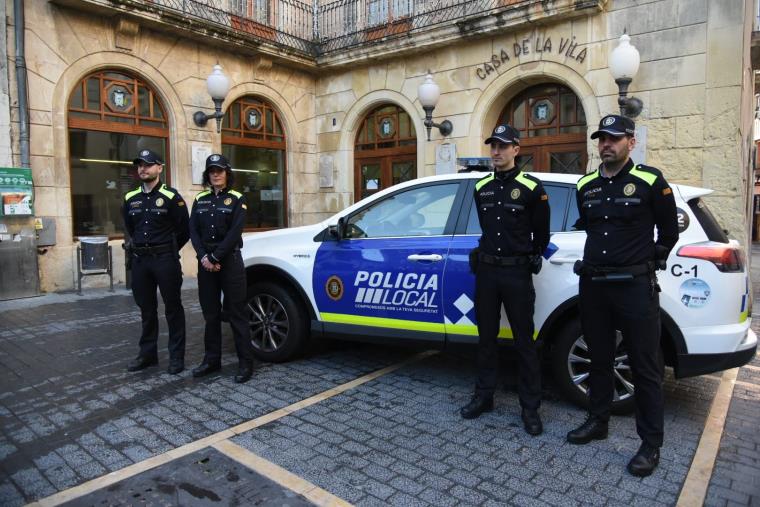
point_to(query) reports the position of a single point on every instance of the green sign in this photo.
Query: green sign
(16, 191)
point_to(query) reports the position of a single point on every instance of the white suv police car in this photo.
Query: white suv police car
(394, 266)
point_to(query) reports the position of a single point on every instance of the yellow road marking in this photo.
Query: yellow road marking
(106, 480)
(694, 489)
(279, 475)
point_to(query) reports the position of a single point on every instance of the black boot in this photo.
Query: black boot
(532, 421)
(244, 373)
(645, 461)
(592, 429)
(176, 366)
(205, 368)
(478, 404)
(140, 363)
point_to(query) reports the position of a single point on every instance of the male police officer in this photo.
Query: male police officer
(620, 205)
(513, 211)
(216, 228)
(156, 219)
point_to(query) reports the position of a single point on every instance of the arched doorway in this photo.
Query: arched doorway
(112, 115)
(552, 127)
(385, 150)
(253, 140)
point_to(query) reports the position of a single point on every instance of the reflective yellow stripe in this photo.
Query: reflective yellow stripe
(526, 181)
(132, 193)
(482, 182)
(167, 193)
(236, 193)
(648, 177)
(586, 179)
(202, 193)
(743, 316)
(413, 325)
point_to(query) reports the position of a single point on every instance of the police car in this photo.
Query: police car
(394, 266)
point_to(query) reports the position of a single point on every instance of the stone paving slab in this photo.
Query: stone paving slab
(203, 478)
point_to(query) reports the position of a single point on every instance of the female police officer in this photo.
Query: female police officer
(216, 227)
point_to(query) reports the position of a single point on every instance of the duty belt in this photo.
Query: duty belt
(615, 273)
(496, 260)
(152, 249)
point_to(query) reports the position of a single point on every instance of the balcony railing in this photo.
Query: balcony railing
(326, 26)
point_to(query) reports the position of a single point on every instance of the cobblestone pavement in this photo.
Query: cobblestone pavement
(69, 412)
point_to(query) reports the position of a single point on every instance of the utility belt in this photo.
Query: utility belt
(496, 260)
(152, 249)
(210, 247)
(613, 273)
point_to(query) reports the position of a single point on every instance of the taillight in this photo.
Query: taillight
(726, 257)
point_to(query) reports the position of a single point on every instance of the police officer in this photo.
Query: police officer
(216, 228)
(619, 205)
(513, 210)
(155, 217)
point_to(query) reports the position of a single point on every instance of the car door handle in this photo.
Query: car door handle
(563, 260)
(421, 257)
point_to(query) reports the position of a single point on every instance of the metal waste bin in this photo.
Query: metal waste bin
(94, 255)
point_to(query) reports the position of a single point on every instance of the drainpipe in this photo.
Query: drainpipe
(21, 84)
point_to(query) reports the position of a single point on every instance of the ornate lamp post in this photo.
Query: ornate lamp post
(218, 85)
(624, 64)
(428, 93)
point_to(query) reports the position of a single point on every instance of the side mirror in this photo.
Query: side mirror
(338, 231)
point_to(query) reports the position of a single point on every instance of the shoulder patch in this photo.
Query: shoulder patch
(235, 193)
(586, 179)
(544, 197)
(647, 176)
(526, 181)
(666, 191)
(483, 181)
(168, 193)
(133, 193)
(201, 194)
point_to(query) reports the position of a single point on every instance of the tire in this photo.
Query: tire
(570, 366)
(278, 321)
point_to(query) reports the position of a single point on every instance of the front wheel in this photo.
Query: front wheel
(571, 365)
(278, 321)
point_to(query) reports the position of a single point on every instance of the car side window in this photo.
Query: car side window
(418, 211)
(558, 200)
(572, 212)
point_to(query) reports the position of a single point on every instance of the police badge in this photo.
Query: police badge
(160, 202)
(515, 194)
(629, 189)
(228, 201)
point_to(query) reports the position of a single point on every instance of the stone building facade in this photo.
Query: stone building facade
(337, 86)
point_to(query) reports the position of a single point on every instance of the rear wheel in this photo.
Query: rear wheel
(571, 365)
(278, 321)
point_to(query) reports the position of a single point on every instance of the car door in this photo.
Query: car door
(555, 283)
(384, 277)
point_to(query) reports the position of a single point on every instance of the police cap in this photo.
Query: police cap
(149, 157)
(615, 125)
(217, 160)
(505, 134)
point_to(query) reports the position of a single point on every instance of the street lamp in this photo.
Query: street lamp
(624, 63)
(218, 85)
(428, 93)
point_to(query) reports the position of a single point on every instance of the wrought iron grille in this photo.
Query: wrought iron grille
(325, 26)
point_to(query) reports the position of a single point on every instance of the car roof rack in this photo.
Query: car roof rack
(474, 164)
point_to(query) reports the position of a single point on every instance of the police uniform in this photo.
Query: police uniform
(513, 210)
(157, 223)
(618, 287)
(216, 227)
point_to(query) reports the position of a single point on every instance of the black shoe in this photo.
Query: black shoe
(244, 373)
(592, 429)
(645, 461)
(205, 368)
(478, 404)
(140, 363)
(532, 422)
(176, 366)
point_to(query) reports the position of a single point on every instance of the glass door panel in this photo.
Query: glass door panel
(370, 178)
(403, 171)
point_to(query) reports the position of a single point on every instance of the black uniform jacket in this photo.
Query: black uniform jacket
(619, 215)
(216, 223)
(513, 210)
(152, 218)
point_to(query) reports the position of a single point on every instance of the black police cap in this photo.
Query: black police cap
(149, 157)
(217, 160)
(504, 133)
(615, 125)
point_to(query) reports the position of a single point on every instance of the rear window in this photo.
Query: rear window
(707, 221)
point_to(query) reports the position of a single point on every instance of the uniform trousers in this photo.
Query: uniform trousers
(633, 307)
(231, 281)
(512, 287)
(160, 271)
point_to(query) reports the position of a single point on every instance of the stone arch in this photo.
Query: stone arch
(507, 85)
